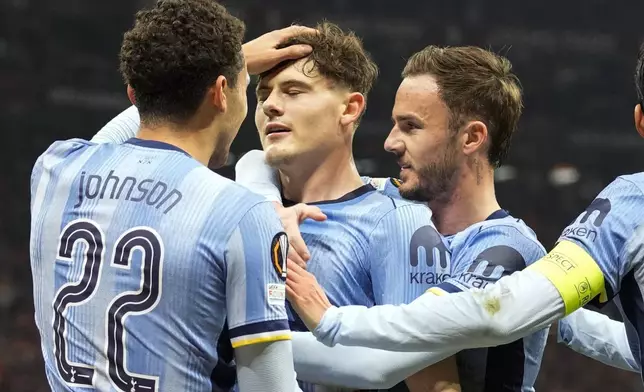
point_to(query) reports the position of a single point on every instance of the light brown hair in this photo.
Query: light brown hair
(475, 84)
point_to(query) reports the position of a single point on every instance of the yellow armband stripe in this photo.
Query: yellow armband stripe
(436, 291)
(574, 273)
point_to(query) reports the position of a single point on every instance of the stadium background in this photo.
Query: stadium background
(59, 79)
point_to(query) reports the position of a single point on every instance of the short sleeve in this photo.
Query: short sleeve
(255, 279)
(606, 226)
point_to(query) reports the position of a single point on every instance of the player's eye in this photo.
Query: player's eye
(293, 93)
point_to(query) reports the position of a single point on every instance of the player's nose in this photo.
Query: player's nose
(394, 144)
(271, 107)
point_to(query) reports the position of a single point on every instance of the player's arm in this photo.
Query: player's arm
(252, 172)
(121, 128)
(356, 367)
(256, 312)
(587, 263)
(403, 238)
(598, 337)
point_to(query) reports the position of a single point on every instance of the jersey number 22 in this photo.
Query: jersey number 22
(77, 293)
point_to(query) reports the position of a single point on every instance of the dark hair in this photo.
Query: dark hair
(639, 77)
(175, 52)
(474, 84)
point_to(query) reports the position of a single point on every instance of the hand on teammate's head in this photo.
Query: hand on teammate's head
(306, 295)
(261, 53)
(291, 218)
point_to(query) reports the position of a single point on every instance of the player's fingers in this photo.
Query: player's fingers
(291, 295)
(299, 246)
(309, 212)
(295, 272)
(292, 52)
(294, 257)
(294, 30)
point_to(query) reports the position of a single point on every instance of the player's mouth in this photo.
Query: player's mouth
(275, 130)
(404, 168)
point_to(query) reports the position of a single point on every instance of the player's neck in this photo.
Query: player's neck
(473, 200)
(329, 178)
(196, 143)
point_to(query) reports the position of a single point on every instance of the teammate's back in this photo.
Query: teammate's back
(151, 273)
(142, 250)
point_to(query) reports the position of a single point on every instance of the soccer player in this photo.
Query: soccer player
(455, 113)
(142, 258)
(330, 94)
(367, 250)
(598, 256)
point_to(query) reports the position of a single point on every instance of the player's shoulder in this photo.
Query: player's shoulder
(63, 148)
(385, 185)
(500, 230)
(388, 206)
(629, 186)
(227, 193)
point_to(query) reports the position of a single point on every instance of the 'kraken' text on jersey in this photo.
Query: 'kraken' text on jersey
(142, 260)
(610, 230)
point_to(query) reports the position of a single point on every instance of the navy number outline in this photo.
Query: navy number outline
(148, 241)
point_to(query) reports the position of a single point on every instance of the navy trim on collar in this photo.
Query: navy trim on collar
(154, 144)
(349, 196)
(498, 214)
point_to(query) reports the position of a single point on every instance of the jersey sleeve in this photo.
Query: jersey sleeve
(603, 230)
(406, 255)
(487, 255)
(255, 279)
(252, 172)
(121, 128)
(598, 337)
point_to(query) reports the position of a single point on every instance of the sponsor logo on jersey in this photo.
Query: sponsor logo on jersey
(279, 253)
(598, 210)
(427, 248)
(396, 182)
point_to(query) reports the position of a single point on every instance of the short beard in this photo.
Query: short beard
(436, 180)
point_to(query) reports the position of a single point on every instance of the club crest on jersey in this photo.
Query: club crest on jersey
(279, 252)
(396, 182)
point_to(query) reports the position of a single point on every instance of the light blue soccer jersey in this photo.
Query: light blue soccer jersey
(142, 260)
(611, 231)
(372, 250)
(480, 255)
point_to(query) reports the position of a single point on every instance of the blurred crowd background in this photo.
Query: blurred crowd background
(59, 79)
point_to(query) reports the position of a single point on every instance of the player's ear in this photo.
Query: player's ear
(639, 118)
(217, 93)
(130, 95)
(474, 136)
(354, 105)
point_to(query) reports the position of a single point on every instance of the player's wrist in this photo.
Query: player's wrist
(328, 326)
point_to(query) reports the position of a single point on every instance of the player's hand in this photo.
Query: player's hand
(291, 218)
(305, 295)
(262, 56)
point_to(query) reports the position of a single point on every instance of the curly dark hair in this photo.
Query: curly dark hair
(175, 52)
(474, 83)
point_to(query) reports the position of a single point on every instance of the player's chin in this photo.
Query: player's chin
(276, 155)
